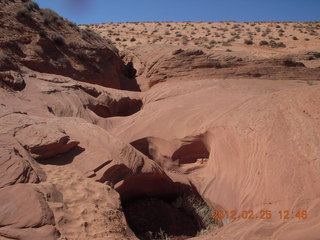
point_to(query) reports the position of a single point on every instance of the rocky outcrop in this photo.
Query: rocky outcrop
(54, 45)
(24, 214)
(12, 81)
(168, 63)
(16, 166)
(252, 139)
(44, 141)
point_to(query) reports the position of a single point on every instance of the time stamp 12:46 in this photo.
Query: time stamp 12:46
(263, 214)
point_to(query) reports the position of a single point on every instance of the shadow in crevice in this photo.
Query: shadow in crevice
(123, 107)
(115, 174)
(64, 158)
(142, 145)
(191, 152)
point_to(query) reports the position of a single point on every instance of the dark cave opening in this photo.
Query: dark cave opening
(165, 211)
(180, 217)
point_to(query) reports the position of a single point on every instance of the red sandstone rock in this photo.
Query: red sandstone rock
(24, 214)
(43, 141)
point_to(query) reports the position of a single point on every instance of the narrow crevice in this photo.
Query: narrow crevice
(189, 153)
(124, 107)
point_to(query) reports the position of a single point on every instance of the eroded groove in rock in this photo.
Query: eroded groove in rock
(123, 107)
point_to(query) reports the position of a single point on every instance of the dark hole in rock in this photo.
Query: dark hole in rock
(123, 107)
(178, 217)
(157, 207)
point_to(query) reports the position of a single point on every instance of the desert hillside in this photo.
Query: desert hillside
(157, 131)
(264, 50)
(283, 37)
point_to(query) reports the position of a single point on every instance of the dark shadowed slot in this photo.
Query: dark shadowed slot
(142, 145)
(64, 158)
(168, 210)
(191, 152)
(123, 107)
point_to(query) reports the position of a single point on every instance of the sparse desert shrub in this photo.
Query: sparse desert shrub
(294, 38)
(248, 41)
(216, 64)
(161, 235)
(310, 58)
(263, 43)
(274, 44)
(185, 40)
(167, 33)
(32, 6)
(58, 39)
(281, 44)
(7, 63)
(72, 24)
(88, 34)
(199, 209)
(316, 55)
(23, 13)
(310, 82)
(63, 61)
(82, 55)
(307, 39)
(290, 62)
(49, 16)
(288, 59)
(132, 39)
(42, 33)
